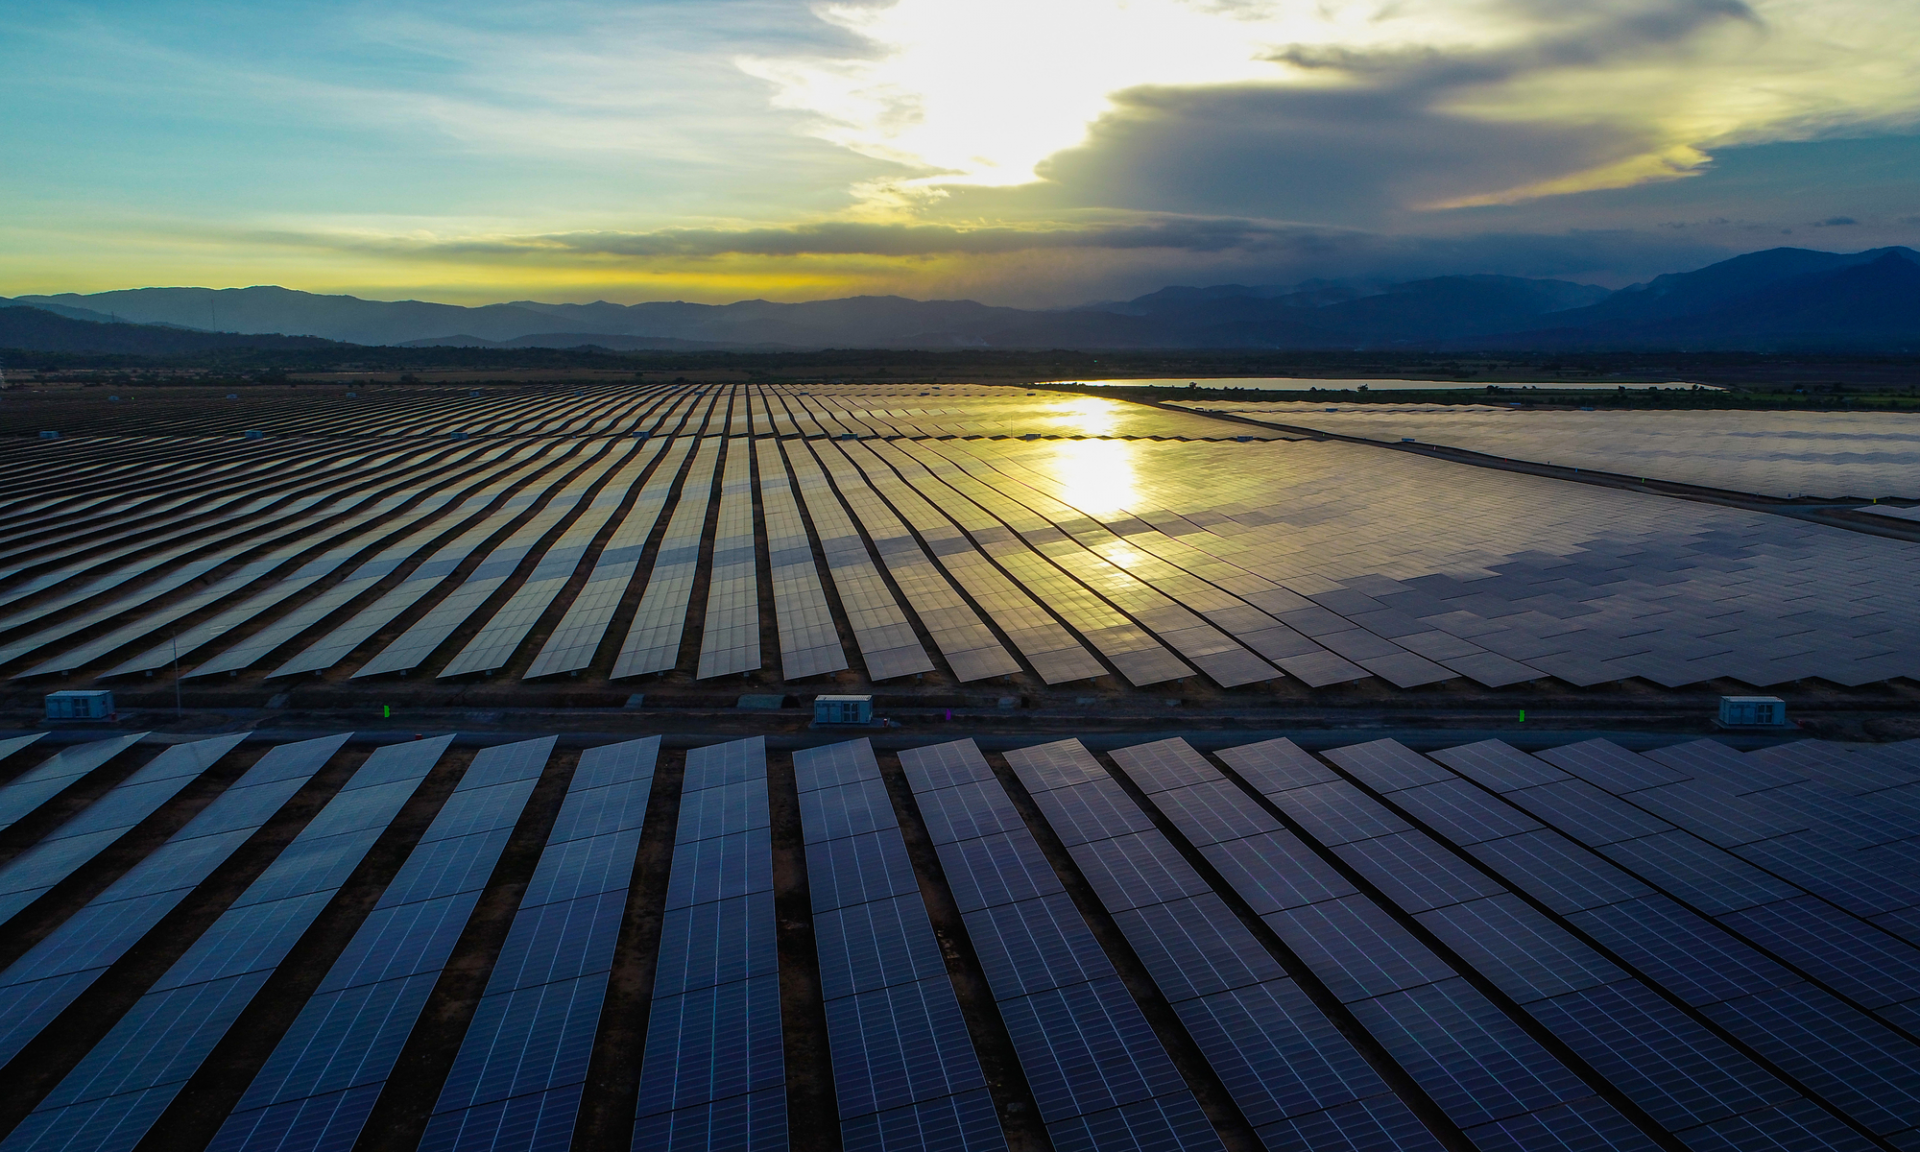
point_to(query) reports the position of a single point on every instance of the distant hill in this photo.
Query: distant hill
(1785, 298)
(570, 340)
(34, 329)
(1781, 298)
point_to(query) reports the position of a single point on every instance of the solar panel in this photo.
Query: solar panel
(1086, 1049)
(714, 1063)
(495, 644)
(901, 1051)
(320, 1083)
(57, 970)
(809, 641)
(427, 633)
(577, 637)
(652, 643)
(481, 515)
(129, 1077)
(730, 640)
(52, 776)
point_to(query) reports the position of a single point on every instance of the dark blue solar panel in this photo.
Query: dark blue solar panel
(1087, 1051)
(1275, 1052)
(1377, 1124)
(1523, 953)
(714, 1064)
(1586, 813)
(898, 1045)
(1498, 765)
(834, 765)
(715, 943)
(61, 966)
(1081, 1046)
(719, 867)
(1276, 766)
(967, 810)
(1036, 944)
(1476, 1064)
(1854, 959)
(1682, 951)
(1163, 1124)
(1688, 868)
(1388, 765)
(872, 945)
(56, 773)
(1338, 813)
(949, 1124)
(1137, 869)
(846, 810)
(124, 1082)
(1865, 883)
(328, 1123)
(1666, 1062)
(1611, 766)
(1356, 948)
(315, 1090)
(1093, 810)
(944, 766)
(855, 869)
(718, 765)
(1802, 1126)
(1716, 815)
(1275, 871)
(1165, 764)
(1197, 946)
(93, 829)
(1558, 872)
(1853, 1061)
(537, 1122)
(997, 869)
(1060, 764)
(723, 810)
(753, 1122)
(525, 1041)
(1463, 813)
(901, 1051)
(724, 1041)
(1416, 873)
(1588, 1125)
(1213, 811)
(562, 940)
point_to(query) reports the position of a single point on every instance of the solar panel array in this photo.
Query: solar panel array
(968, 532)
(1371, 948)
(1864, 455)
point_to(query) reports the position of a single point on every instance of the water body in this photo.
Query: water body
(1298, 384)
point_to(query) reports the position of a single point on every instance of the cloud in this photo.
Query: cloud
(1000, 93)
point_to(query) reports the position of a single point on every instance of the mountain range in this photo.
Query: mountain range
(1783, 298)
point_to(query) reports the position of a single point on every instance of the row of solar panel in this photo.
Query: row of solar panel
(552, 500)
(1379, 949)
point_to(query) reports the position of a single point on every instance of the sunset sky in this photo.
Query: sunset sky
(1030, 152)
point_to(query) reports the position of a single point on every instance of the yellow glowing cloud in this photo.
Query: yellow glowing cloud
(982, 93)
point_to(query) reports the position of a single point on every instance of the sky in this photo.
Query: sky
(1037, 153)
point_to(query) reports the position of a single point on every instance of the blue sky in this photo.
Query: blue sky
(1036, 152)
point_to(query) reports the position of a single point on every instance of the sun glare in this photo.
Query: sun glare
(1097, 475)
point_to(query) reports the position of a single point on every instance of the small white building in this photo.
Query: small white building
(1753, 712)
(843, 709)
(80, 705)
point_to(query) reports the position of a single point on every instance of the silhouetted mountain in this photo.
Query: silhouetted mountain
(568, 340)
(1786, 297)
(35, 329)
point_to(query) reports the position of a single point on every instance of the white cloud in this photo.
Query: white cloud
(981, 94)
